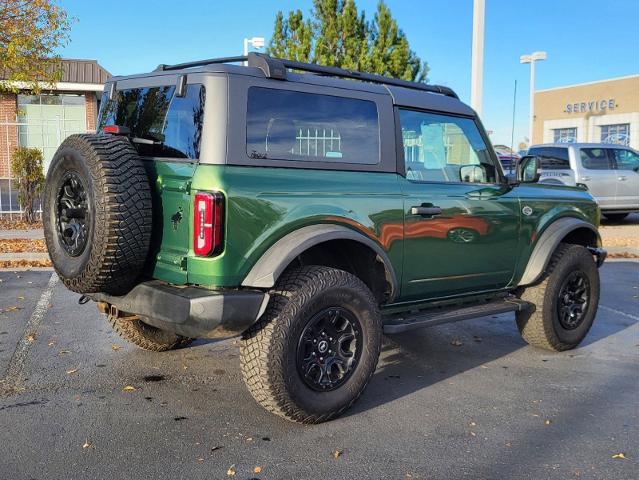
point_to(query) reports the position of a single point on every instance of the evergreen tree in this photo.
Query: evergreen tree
(336, 34)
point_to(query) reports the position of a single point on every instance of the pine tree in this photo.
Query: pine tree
(336, 34)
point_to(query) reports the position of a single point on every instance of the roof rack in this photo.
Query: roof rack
(277, 68)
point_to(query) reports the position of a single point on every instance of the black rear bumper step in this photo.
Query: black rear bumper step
(430, 318)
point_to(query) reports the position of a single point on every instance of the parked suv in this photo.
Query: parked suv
(309, 210)
(609, 172)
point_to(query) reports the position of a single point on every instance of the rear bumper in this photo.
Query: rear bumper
(190, 311)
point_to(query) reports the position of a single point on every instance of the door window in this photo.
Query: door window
(626, 159)
(595, 159)
(552, 158)
(443, 148)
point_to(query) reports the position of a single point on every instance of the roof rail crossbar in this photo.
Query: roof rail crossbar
(367, 77)
(277, 67)
(200, 63)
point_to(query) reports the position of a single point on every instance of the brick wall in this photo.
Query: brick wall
(91, 110)
(8, 133)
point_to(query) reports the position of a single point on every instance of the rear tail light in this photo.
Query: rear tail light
(208, 223)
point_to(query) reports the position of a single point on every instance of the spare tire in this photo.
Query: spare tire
(97, 214)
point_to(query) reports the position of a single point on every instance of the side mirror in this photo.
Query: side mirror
(528, 169)
(472, 174)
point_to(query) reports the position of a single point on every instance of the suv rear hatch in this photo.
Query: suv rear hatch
(166, 129)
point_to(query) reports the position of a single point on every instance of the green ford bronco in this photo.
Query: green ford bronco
(309, 210)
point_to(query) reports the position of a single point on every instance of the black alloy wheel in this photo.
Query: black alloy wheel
(73, 214)
(328, 349)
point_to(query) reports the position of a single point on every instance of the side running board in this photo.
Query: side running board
(432, 317)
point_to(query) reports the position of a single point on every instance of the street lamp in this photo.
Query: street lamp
(477, 68)
(532, 58)
(257, 42)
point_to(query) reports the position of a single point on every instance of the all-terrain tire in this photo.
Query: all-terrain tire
(117, 218)
(615, 217)
(269, 350)
(541, 327)
(147, 336)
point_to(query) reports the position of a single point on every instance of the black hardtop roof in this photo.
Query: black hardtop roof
(403, 93)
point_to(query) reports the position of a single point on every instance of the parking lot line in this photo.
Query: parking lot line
(12, 380)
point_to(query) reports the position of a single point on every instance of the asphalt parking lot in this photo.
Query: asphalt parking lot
(467, 400)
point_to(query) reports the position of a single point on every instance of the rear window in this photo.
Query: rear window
(287, 125)
(552, 158)
(161, 124)
(595, 158)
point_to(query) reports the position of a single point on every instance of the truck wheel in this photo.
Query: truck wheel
(615, 217)
(97, 214)
(565, 301)
(147, 336)
(316, 346)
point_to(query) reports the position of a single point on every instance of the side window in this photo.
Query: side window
(437, 146)
(163, 124)
(595, 158)
(552, 158)
(626, 159)
(288, 125)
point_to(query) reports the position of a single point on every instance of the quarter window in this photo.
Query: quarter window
(289, 125)
(595, 158)
(163, 124)
(436, 147)
(616, 134)
(565, 135)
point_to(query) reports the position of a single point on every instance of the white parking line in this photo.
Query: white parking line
(619, 312)
(11, 381)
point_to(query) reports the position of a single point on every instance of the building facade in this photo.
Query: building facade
(599, 112)
(45, 120)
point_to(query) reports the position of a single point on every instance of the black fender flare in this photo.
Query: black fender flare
(274, 261)
(548, 242)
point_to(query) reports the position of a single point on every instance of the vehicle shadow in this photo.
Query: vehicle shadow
(415, 360)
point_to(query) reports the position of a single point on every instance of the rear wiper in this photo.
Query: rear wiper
(146, 141)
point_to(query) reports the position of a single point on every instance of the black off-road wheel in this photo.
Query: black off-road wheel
(97, 214)
(146, 336)
(315, 348)
(565, 301)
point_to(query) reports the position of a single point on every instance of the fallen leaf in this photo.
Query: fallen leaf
(31, 337)
(217, 447)
(51, 344)
(129, 388)
(115, 347)
(619, 456)
(456, 343)
(257, 470)
(20, 298)
(64, 352)
(337, 453)
(473, 434)
(73, 370)
(231, 471)
(200, 460)
(473, 424)
(547, 422)
(87, 444)
(249, 439)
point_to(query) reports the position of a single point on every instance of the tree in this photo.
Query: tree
(28, 173)
(337, 35)
(31, 32)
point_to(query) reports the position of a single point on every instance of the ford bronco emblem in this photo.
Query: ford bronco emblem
(527, 210)
(176, 218)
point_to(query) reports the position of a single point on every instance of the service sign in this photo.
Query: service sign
(590, 106)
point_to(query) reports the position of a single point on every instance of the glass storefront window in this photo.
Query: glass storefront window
(565, 135)
(47, 119)
(616, 134)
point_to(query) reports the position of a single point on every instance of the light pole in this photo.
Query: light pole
(532, 58)
(257, 42)
(477, 69)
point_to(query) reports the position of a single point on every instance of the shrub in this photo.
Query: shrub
(28, 173)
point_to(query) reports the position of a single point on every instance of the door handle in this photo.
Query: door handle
(622, 178)
(425, 211)
(586, 179)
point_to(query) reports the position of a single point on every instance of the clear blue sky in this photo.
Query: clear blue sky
(586, 40)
